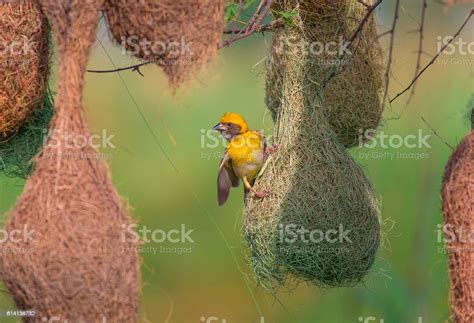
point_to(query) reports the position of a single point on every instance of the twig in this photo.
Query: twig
(388, 69)
(436, 134)
(364, 20)
(420, 48)
(134, 68)
(436, 56)
(253, 25)
(274, 24)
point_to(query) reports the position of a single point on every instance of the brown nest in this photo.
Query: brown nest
(80, 263)
(178, 35)
(24, 64)
(458, 209)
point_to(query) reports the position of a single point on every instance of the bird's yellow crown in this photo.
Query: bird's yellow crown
(235, 118)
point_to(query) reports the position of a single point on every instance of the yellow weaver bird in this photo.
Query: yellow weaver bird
(243, 158)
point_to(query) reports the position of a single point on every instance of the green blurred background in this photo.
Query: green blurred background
(174, 185)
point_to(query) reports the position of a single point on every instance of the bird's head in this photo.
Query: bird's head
(231, 124)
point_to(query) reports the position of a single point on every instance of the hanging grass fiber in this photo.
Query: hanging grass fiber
(320, 223)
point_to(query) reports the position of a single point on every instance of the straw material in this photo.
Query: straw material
(23, 63)
(458, 209)
(316, 188)
(179, 35)
(80, 264)
(353, 98)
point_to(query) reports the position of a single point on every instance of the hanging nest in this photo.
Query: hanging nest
(24, 63)
(321, 222)
(79, 264)
(458, 208)
(353, 99)
(179, 35)
(18, 150)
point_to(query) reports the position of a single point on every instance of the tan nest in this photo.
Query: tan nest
(24, 63)
(317, 189)
(179, 35)
(353, 98)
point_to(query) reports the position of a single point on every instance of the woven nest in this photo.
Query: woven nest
(79, 264)
(353, 98)
(458, 209)
(24, 63)
(182, 35)
(18, 150)
(316, 188)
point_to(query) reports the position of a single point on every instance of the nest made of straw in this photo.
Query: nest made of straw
(458, 209)
(178, 35)
(353, 98)
(316, 188)
(24, 41)
(80, 263)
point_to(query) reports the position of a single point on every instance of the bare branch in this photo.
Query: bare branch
(273, 25)
(254, 23)
(435, 57)
(420, 48)
(436, 134)
(134, 68)
(388, 69)
(364, 20)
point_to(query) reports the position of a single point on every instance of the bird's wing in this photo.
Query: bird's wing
(226, 179)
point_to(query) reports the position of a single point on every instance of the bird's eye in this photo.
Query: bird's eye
(228, 124)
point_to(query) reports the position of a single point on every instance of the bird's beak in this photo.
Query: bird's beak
(218, 127)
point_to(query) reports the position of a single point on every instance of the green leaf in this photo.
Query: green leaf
(249, 3)
(231, 11)
(287, 16)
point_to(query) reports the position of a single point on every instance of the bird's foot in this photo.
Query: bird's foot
(261, 195)
(270, 150)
